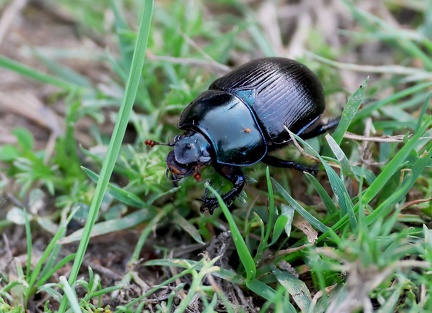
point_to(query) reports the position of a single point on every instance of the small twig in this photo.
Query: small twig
(290, 251)
(414, 202)
(397, 138)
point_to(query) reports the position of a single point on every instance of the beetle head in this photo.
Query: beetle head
(191, 152)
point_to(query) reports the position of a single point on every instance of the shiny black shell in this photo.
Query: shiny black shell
(248, 109)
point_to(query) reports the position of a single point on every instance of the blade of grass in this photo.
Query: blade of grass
(385, 207)
(29, 243)
(146, 232)
(47, 253)
(283, 223)
(309, 217)
(64, 72)
(368, 109)
(340, 156)
(116, 140)
(268, 293)
(52, 270)
(295, 287)
(414, 73)
(124, 42)
(111, 226)
(239, 242)
(70, 295)
(337, 185)
(350, 111)
(423, 112)
(394, 164)
(390, 169)
(21, 69)
(187, 227)
(323, 194)
(118, 193)
(270, 223)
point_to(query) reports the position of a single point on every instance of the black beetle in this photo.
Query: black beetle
(242, 117)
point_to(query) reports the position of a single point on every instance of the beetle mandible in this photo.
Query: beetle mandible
(242, 117)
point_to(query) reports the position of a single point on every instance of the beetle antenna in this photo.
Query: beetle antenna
(151, 143)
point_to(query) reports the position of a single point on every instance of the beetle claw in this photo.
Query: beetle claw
(209, 205)
(313, 170)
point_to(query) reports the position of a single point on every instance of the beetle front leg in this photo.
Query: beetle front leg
(276, 162)
(236, 177)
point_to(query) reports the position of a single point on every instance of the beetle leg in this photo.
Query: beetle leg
(236, 177)
(276, 162)
(320, 129)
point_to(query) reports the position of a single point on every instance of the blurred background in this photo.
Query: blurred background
(77, 41)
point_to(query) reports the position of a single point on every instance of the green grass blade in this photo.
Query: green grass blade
(116, 140)
(106, 227)
(387, 206)
(394, 98)
(394, 165)
(187, 227)
(341, 157)
(328, 201)
(118, 193)
(268, 293)
(283, 223)
(295, 287)
(29, 243)
(242, 250)
(350, 111)
(52, 270)
(306, 215)
(47, 253)
(423, 111)
(121, 27)
(337, 185)
(21, 69)
(390, 169)
(226, 274)
(270, 223)
(64, 72)
(70, 295)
